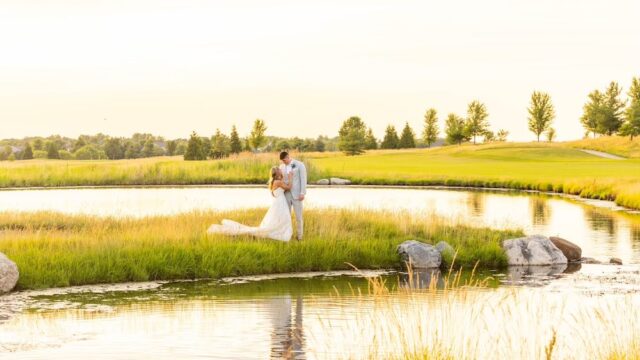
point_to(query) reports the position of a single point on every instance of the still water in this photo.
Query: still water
(600, 228)
(334, 315)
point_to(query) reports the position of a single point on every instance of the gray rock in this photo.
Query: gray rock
(8, 274)
(615, 261)
(444, 248)
(533, 250)
(590, 260)
(338, 181)
(419, 255)
(323, 182)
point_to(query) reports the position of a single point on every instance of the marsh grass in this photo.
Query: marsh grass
(454, 319)
(54, 250)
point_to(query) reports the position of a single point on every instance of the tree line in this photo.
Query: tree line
(355, 138)
(606, 113)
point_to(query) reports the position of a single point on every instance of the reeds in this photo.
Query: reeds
(52, 249)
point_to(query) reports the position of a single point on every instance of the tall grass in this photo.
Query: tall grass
(468, 321)
(53, 250)
(240, 169)
(618, 145)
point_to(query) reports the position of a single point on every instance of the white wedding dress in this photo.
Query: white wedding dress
(276, 224)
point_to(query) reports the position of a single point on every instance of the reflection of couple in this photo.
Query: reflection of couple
(288, 186)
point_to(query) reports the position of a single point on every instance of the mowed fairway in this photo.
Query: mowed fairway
(546, 167)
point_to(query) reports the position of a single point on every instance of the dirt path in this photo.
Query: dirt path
(603, 154)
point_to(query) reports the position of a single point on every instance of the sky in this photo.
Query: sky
(171, 67)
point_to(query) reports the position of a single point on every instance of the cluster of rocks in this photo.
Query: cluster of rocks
(8, 274)
(333, 181)
(535, 250)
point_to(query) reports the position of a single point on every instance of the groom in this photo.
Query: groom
(295, 196)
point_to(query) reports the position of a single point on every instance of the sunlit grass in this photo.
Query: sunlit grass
(52, 249)
(468, 321)
(618, 145)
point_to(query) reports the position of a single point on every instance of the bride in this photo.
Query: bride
(276, 224)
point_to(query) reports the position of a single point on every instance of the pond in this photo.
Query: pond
(600, 228)
(336, 315)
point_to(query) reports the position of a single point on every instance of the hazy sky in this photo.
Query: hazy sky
(169, 67)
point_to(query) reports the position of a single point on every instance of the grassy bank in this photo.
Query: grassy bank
(242, 169)
(544, 167)
(58, 250)
(617, 145)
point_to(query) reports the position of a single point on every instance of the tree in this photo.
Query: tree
(235, 145)
(148, 148)
(501, 135)
(79, 143)
(283, 145)
(27, 153)
(370, 141)
(114, 149)
(38, 144)
(257, 137)
(90, 152)
(408, 138)
(205, 144)
(541, 113)
(52, 150)
(489, 136)
(319, 145)
(551, 134)
(631, 126)
(220, 146)
(352, 136)
(456, 129)
(430, 132)
(172, 146)
(194, 148)
(391, 139)
(477, 123)
(612, 117)
(593, 111)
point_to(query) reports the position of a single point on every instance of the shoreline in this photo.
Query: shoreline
(598, 203)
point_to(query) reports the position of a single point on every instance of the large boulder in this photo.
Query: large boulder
(8, 274)
(419, 255)
(338, 181)
(533, 250)
(323, 182)
(570, 250)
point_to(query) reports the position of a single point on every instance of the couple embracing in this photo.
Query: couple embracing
(288, 187)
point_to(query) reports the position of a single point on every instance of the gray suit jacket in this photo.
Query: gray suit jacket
(299, 186)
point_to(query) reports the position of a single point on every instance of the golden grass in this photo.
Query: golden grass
(617, 145)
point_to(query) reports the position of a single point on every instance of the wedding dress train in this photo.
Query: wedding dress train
(276, 224)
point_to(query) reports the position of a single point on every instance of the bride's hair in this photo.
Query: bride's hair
(272, 178)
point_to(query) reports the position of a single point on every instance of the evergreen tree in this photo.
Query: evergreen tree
(593, 112)
(27, 153)
(631, 126)
(408, 138)
(352, 136)
(220, 146)
(391, 139)
(477, 123)
(194, 148)
(257, 137)
(541, 113)
(456, 129)
(430, 132)
(52, 150)
(613, 115)
(319, 145)
(370, 141)
(235, 145)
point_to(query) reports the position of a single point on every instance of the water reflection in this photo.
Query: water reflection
(287, 336)
(602, 233)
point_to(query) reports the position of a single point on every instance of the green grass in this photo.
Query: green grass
(617, 145)
(544, 167)
(54, 250)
